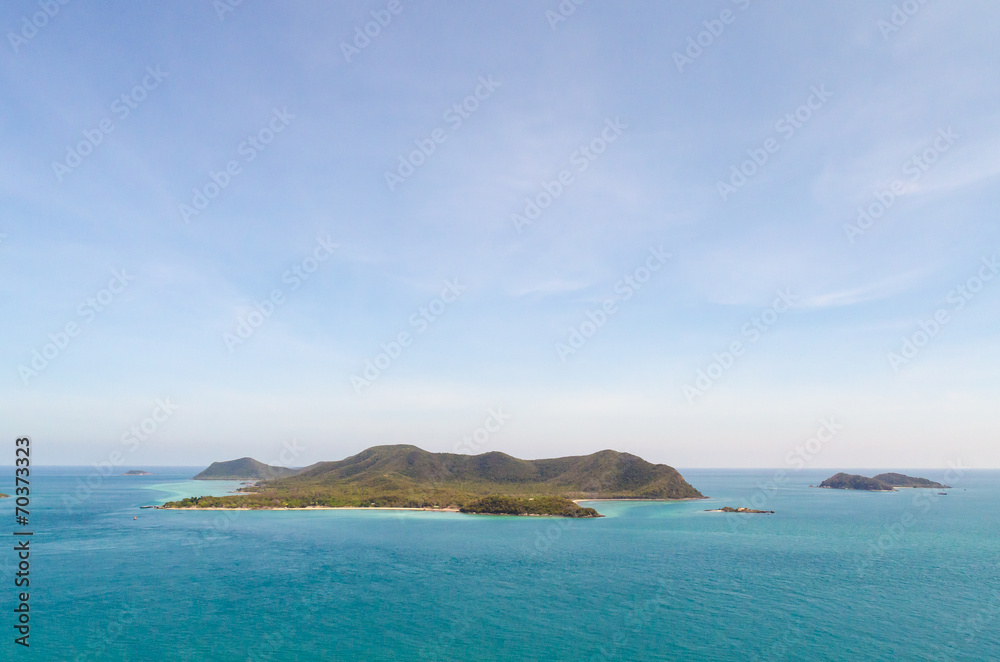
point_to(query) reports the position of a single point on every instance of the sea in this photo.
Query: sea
(830, 575)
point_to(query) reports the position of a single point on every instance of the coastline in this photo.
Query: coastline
(429, 510)
(432, 510)
(451, 509)
(577, 501)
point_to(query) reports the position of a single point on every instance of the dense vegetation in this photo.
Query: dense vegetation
(880, 483)
(245, 468)
(260, 500)
(505, 505)
(408, 477)
(407, 469)
(844, 481)
(902, 480)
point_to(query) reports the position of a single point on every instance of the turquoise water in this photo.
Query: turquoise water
(831, 576)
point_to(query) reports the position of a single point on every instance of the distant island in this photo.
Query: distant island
(886, 482)
(245, 468)
(844, 481)
(405, 476)
(136, 472)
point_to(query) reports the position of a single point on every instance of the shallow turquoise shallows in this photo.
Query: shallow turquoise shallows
(832, 575)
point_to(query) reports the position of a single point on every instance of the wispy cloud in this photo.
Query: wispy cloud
(881, 289)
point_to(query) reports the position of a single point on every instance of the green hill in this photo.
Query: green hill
(902, 480)
(245, 468)
(844, 481)
(406, 476)
(605, 475)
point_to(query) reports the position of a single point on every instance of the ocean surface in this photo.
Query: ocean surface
(832, 575)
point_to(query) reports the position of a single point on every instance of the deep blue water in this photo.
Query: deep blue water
(832, 575)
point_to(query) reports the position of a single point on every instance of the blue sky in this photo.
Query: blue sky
(648, 113)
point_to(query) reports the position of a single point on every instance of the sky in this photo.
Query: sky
(712, 234)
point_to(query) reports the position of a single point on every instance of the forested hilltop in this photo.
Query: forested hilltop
(886, 482)
(408, 477)
(245, 468)
(902, 480)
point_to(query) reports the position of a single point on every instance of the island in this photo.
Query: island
(404, 476)
(730, 509)
(245, 468)
(842, 481)
(886, 482)
(901, 480)
(136, 472)
(551, 505)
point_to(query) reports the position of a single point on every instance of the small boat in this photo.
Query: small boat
(943, 493)
(147, 506)
(135, 518)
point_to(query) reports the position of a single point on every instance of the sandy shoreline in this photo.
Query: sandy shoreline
(430, 510)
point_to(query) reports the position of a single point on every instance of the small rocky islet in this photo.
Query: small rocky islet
(730, 509)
